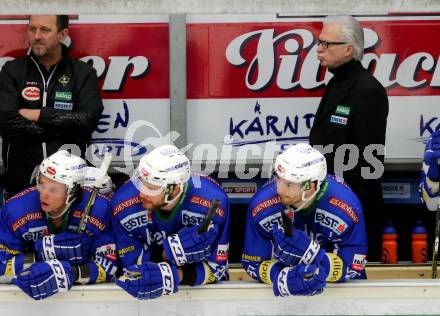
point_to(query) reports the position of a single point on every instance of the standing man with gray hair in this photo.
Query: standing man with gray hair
(353, 112)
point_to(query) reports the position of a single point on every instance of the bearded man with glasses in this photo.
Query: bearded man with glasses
(353, 112)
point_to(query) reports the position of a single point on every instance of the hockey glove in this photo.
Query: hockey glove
(188, 246)
(66, 246)
(299, 280)
(295, 249)
(432, 154)
(149, 280)
(44, 279)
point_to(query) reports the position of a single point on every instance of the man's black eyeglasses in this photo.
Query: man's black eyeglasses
(326, 44)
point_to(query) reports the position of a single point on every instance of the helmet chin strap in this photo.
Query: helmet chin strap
(69, 200)
(307, 201)
(167, 201)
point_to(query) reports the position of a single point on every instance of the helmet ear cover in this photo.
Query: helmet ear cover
(77, 190)
(306, 185)
(75, 193)
(169, 191)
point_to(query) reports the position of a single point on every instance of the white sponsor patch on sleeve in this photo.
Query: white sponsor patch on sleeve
(222, 252)
(331, 221)
(268, 222)
(359, 262)
(135, 220)
(191, 218)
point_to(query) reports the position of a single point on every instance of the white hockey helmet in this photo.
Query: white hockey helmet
(164, 165)
(301, 163)
(90, 175)
(65, 168)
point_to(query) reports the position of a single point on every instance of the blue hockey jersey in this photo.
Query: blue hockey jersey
(22, 222)
(428, 188)
(334, 220)
(138, 231)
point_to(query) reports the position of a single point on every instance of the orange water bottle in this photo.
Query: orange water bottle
(419, 243)
(389, 244)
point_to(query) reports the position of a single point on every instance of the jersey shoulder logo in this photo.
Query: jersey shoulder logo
(265, 204)
(348, 209)
(31, 93)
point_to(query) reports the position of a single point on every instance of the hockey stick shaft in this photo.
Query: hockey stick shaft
(436, 236)
(435, 246)
(287, 223)
(98, 182)
(215, 203)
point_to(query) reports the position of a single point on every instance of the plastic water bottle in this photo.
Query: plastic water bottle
(419, 243)
(389, 244)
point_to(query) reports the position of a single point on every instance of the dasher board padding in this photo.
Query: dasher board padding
(366, 297)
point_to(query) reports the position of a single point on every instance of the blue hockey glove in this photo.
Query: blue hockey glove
(44, 279)
(188, 246)
(299, 280)
(295, 249)
(72, 247)
(150, 280)
(432, 154)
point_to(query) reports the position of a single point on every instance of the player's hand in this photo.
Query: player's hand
(30, 114)
(43, 279)
(299, 280)
(295, 249)
(72, 247)
(188, 246)
(150, 280)
(432, 154)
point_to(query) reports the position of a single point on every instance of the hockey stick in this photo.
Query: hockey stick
(436, 236)
(287, 224)
(215, 203)
(98, 183)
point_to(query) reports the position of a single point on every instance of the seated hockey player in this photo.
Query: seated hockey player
(156, 217)
(41, 250)
(303, 227)
(431, 172)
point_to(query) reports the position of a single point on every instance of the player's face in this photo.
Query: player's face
(152, 196)
(335, 54)
(52, 195)
(290, 193)
(43, 35)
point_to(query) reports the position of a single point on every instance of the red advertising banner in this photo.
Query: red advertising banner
(123, 54)
(278, 59)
